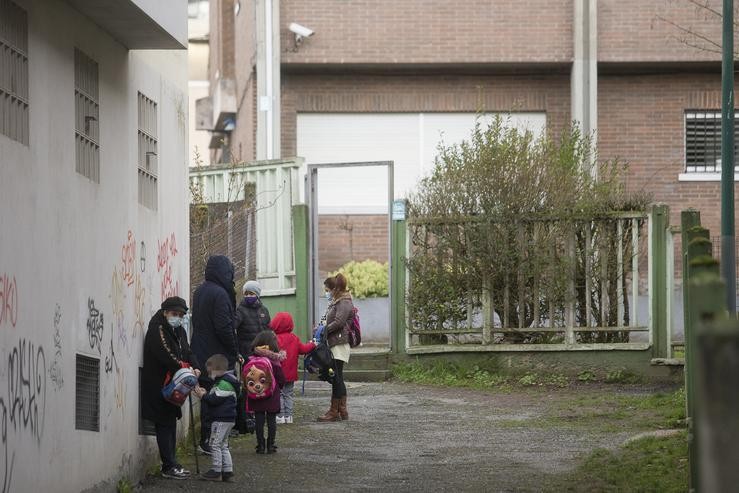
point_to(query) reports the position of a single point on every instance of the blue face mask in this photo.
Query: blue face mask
(174, 321)
(328, 295)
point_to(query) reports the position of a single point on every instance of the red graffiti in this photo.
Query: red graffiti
(8, 300)
(166, 250)
(128, 257)
(170, 287)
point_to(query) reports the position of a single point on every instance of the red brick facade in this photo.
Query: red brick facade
(343, 238)
(509, 55)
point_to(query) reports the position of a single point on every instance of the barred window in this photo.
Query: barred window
(13, 71)
(86, 116)
(147, 152)
(703, 141)
(87, 393)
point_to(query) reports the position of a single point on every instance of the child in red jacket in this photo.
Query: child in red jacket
(283, 326)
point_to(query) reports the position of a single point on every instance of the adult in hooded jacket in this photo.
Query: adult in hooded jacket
(213, 305)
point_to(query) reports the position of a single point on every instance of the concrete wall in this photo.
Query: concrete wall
(68, 243)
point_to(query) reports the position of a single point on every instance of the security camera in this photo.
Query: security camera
(300, 31)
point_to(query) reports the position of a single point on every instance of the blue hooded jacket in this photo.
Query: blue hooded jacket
(213, 305)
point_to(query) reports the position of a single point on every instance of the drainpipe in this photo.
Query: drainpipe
(584, 77)
(268, 79)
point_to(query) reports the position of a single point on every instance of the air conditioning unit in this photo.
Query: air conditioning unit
(224, 104)
(204, 114)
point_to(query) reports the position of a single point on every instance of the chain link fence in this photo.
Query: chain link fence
(226, 228)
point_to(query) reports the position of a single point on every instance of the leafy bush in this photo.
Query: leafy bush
(503, 216)
(366, 279)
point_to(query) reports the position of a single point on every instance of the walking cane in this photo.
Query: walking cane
(192, 432)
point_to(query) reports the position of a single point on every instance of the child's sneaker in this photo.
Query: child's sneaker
(228, 477)
(175, 473)
(280, 420)
(288, 420)
(211, 475)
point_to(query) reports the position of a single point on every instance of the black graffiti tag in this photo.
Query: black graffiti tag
(95, 326)
(110, 361)
(8, 458)
(27, 388)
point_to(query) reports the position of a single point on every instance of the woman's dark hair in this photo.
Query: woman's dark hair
(266, 338)
(330, 283)
(339, 283)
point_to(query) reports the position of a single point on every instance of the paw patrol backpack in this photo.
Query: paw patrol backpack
(257, 378)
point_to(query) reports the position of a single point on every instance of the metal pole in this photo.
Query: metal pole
(728, 244)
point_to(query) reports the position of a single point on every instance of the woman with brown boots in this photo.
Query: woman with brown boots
(338, 317)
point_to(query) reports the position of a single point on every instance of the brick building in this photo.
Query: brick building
(387, 78)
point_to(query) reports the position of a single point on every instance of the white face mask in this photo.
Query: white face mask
(328, 295)
(174, 321)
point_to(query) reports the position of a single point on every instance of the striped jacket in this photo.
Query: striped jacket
(221, 399)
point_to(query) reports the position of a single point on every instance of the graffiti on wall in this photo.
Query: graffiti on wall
(27, 387)
(8, 300)
(166, 252)
(95, 325)
(55, 370)
(142, 258)
(118, 301)
(128, 259)
(139, 310)
(22, 410)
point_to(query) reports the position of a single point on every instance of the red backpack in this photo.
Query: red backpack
(355, 331)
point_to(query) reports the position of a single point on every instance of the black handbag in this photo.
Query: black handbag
(320, 361)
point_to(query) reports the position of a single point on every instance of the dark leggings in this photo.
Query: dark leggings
(271, 419)
(167, 442)
(338, 388)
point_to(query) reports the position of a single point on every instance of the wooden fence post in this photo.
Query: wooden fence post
(717, 369)
(707, 306)
(660, 223)
(398, 309)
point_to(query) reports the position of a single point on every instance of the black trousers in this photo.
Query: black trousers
(338, 387)
(271, 419)
(167, 441)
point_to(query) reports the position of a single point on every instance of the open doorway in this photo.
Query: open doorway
(342, 236)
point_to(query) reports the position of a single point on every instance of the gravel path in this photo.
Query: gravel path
(410, 438)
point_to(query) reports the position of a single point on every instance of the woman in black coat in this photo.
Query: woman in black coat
(252, 317)
(166, 350)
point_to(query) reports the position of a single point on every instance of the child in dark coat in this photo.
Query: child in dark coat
(263, 378)
(221, 401)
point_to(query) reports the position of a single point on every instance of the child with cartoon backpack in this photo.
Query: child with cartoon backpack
(262, 378)
(283, 326)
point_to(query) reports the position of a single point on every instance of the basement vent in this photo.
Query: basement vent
(87, 394)
(146, 427)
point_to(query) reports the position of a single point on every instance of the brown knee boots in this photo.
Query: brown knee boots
(333, 413)
(342, 408)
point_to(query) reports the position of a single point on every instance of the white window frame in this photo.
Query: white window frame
(692, 173)
(148, 148)
(14, 94)
(87, 116)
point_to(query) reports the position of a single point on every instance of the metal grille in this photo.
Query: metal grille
(147, 157)
(146, 427)
(13, 71)
(703, 141)
(87, 394)
(87, 116)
